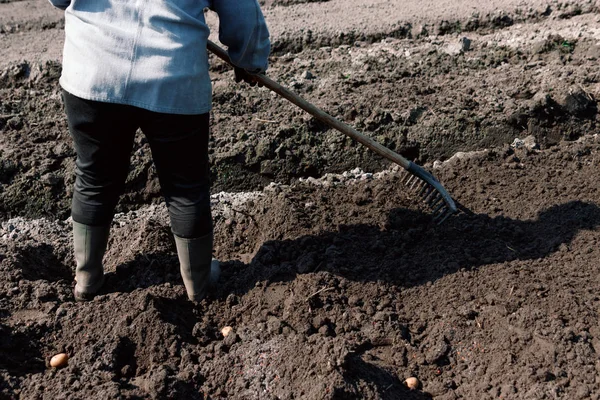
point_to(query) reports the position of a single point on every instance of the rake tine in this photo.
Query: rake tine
(430, 195)
(437, 217)
(438, 208)
(438, 202)
(415, 182)
(435, 200)
(434, 194)
(426, 194)
(446, 215)
(424, 188)
(432, 200)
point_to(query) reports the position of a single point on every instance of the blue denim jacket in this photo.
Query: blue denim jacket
(152, 53)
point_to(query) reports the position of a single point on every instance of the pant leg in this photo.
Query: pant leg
(103, 136)
(179, 145)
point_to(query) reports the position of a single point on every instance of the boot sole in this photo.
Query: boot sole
(87, 296)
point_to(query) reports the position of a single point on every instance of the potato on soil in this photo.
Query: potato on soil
(59, 360)
(412, 383)
(226, 331)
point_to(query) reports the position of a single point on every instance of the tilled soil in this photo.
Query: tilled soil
(336, 284)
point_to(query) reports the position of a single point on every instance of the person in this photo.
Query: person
(144, 64)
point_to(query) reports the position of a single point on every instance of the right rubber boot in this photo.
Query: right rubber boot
(89, 243)
(199, 270)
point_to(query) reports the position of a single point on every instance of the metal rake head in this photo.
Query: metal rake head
(431, 191)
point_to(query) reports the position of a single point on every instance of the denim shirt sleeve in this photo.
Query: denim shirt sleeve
(62, 4)
(242, 28)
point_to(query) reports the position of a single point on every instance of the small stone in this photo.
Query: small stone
(517, 144)
(528, 143)
(307, 75)
(465, 44)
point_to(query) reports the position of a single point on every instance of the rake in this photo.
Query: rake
(418, 179)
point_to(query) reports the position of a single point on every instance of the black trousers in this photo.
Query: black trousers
(103, 135)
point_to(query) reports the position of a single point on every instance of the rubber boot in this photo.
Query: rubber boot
(89, 243)
(198, 269)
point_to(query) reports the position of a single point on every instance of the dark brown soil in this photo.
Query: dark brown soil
(337, 284)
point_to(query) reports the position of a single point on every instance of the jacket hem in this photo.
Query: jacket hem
(150, 107)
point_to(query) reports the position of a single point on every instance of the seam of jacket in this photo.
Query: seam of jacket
(132, 54)
(253, 38)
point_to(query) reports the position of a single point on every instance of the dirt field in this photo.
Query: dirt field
(335, 280)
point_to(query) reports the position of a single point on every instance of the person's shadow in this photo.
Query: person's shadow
(411, 250)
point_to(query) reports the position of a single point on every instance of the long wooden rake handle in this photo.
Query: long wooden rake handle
(383, 151)
(317, 112)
